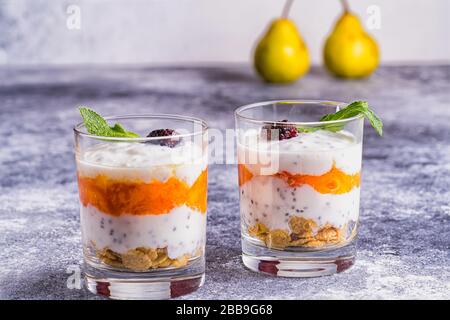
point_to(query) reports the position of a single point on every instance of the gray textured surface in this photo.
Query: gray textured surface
(404, 239)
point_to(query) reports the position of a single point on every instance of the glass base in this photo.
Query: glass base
(152, 285)
(297, 262)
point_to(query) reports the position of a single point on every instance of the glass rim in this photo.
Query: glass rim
(77, 128)
(238, 112)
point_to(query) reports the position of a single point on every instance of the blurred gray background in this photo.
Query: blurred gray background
(204, 31)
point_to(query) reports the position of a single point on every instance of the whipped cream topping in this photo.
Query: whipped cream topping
(142, 161)
(309, 153)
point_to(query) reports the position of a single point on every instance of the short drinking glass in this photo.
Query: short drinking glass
(143, 207)
(299, 187)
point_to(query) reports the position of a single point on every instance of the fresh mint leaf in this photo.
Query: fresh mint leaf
(119, 129)
(352, 110)
(308, 129)
(95, 124)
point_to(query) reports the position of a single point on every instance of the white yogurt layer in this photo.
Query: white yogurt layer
(272, 201)
(182, 230)
(142, 161)
(308, 153)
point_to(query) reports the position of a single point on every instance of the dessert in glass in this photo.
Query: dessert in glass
(143, 206)
(299, 187)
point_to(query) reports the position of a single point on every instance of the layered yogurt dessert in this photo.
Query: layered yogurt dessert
(299, 189)
(143, 205)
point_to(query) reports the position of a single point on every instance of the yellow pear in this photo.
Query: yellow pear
(350, 52)
(281, 55)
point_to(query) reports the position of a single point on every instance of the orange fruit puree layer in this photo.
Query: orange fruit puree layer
(244, 174)
(334, 181)
(116, 197)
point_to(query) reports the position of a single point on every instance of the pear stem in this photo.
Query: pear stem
(286, 8)
(345, 6)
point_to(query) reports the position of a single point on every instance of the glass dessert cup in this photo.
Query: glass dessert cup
(143, 207)
(299, 187)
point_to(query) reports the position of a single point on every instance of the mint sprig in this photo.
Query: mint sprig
(352, 110)
(97, 125)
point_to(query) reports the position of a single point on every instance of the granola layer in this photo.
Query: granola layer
(142, 259)
(302, 233)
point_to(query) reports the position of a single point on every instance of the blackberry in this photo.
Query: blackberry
(283, 132)
(164, 133)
